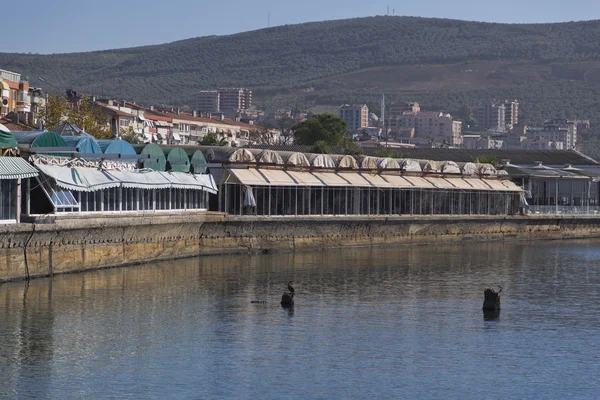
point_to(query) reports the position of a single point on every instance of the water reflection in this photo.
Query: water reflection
(491, 315)
(366, 323)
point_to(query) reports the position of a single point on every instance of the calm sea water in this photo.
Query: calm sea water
(368, 323)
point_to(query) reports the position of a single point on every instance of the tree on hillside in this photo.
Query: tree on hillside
(324, 127)
(466, 115)
(83, 113)
(55, 112)
(262, 135)
(90, 117)
(351, 148)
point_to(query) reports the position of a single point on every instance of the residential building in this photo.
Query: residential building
(557, 130)
(234, 100)
(14, 95)
(356, 116)
(433, 124)
(491, 117)
(397, 109)
(209, 101)
(482, 142)
(511, 114)
(541, 144)
(583, 126)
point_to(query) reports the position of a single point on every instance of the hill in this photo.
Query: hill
(554, 69)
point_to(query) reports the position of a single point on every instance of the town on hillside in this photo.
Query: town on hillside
(228, 117)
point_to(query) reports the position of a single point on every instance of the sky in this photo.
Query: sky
(61, 26)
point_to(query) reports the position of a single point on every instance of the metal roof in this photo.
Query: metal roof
(15, 168)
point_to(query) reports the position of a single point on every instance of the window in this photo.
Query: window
(8, 207)
(124, 122)
(63, 200)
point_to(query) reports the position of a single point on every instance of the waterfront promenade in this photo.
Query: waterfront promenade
(57, 244)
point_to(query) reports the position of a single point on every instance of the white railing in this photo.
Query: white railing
(563, 210)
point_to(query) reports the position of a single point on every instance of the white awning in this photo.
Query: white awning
(176, 136)
(355, 179)
(182, 180)
(440, 183)
(79, 179)
(141, 179)
(277, 177)
(248, 177)
(397, 181)
(306, 178)
(478, 184)
(419, 183)
(331, 179)
(376, 181)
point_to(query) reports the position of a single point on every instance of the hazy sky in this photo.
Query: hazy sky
(53, 26)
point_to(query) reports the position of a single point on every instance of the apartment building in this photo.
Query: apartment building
(234, 100)
(491, 116)
(356, 116)
(511, 114)
(209, 101)
(14, 94)
(434, 124)
(557, 130)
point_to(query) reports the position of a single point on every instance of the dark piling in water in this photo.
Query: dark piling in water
(491, 301)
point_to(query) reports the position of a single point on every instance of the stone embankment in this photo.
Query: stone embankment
(59, 244)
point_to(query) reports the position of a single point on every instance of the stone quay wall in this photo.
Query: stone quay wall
(65, 244)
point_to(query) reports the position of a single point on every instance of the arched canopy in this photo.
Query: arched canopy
(31, 139)
(117, 146)
(269, 157)
(430, 166)
(367, 162)
(177, 159)
(198, 163)
(387, 163)
(230, 154)
(83, 144)
(487, 169)
(321, 161)
(410, 165)
(294, 159)
(469, 169)
(346, 161)
(450, 167)
(157, 161)
(7, 140)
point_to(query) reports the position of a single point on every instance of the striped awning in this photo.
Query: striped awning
(15, 168)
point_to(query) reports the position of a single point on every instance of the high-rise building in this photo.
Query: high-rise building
(511, 114)
(234, 100)
(558, 130)
(491, 116)
(356, 116)
(209, 101)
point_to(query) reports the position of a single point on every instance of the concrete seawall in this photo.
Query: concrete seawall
(56, 245)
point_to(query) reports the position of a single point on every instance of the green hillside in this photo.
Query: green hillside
(554, 69)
